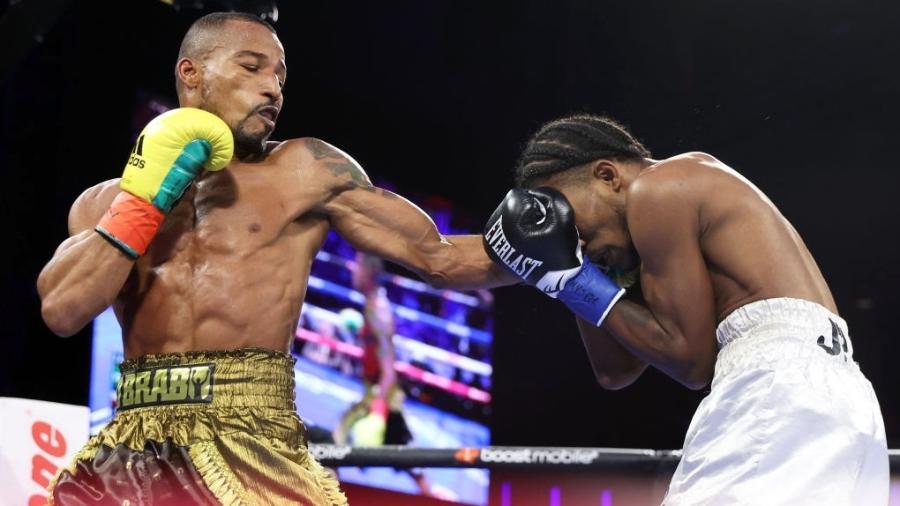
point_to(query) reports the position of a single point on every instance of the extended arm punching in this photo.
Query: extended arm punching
(387, 225)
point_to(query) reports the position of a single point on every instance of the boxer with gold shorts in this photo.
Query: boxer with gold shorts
(204, 248)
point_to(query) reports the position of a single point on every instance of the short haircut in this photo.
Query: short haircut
(198, 37)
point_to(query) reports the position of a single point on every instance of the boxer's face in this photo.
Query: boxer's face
(599, 204)
(242, 80)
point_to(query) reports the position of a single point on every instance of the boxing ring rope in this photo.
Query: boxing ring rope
(410, 344)
(346, 294)
(401, 281)
(406, 369)
(510, 457)
(494, 457)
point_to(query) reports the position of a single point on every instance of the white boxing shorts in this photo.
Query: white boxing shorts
(790, 419)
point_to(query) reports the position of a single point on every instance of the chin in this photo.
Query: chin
(254, 144)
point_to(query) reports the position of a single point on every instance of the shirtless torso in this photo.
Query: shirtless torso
(751, 251)
(230, 264)
(732, 300)
(707, 242)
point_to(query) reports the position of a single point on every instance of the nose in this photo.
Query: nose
(271, 89)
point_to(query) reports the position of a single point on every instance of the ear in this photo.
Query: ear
(188, 72)
(608, 172)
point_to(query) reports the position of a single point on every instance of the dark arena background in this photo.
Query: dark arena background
(435, 100)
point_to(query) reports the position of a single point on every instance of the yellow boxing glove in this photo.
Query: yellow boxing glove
(169, 154)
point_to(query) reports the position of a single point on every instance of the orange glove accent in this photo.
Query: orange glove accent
(130, 224)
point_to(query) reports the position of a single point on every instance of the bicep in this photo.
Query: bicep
(678, 291)
(395, 229)
(384, 224)
(372, 219)
(387, 225)
(674, 276)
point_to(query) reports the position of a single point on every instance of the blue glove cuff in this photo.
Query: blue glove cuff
(591, 294)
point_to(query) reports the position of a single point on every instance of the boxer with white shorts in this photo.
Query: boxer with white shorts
(803, 424)
(731, 296)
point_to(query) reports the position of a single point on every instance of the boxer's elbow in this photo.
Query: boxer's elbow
(457, 278)
(63, 316)
(439, 271)
(436, 279)
(428, 261)
(695, 383)
(695, 375)
(619, 379)
(457, 262)
(52, 312)
(692, 362)
(610, 382)
(60, 319)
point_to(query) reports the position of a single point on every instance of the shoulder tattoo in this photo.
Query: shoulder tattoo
(339, 164)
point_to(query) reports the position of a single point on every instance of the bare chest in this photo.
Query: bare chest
(230, 213)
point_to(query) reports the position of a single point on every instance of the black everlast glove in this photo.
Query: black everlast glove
(532, 233)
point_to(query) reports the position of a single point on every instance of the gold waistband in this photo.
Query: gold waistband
(233, 411)
(248, 377)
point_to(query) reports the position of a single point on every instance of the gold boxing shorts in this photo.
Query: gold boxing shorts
(200, 428)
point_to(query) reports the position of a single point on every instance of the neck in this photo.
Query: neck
(248, 156)
(630, 171)
(244, 155)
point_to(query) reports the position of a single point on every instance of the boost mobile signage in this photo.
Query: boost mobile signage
(539, 456)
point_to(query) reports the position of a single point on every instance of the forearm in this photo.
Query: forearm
(459, 261)
(613, 365)
(81, 280)
(638, 331)
(384, 224)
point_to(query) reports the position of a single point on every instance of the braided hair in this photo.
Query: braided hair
(573, 141)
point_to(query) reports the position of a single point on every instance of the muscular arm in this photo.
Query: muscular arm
(614, 366)
(86, 273)
(385, 224)
(676, 332)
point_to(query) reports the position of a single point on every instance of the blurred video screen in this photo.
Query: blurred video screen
(442, 346)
